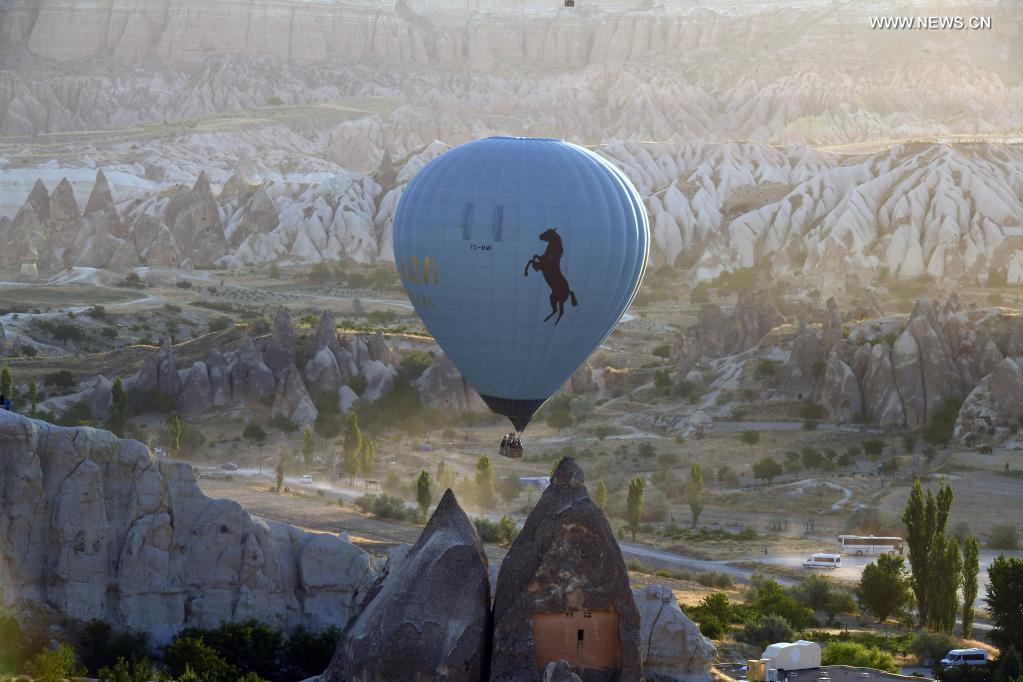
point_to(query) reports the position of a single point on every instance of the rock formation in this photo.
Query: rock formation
(92, 526)
(429, 617)
(280, 350)
(293, 401)
(251, 379)
(563, 574)
(997, 401)
(673, 648)
(159, 374)
(443, 386)
(839, 391)
(197, 391)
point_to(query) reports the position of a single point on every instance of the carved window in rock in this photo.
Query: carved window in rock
(584, 639)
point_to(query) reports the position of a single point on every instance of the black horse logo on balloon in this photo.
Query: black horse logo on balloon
(550, 265)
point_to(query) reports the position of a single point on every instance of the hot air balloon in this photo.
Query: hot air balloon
(520, 255)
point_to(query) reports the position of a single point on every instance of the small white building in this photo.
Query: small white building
(800, 655)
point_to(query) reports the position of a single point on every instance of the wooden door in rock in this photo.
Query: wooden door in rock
(583, 638)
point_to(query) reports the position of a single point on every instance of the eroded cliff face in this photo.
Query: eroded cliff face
(93, 526)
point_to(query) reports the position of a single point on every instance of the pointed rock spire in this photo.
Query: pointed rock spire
(429, 617)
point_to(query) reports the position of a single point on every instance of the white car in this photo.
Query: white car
(975, 656)
(820, 560)
(306, 479)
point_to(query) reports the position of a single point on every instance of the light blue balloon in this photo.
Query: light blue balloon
(476, 242)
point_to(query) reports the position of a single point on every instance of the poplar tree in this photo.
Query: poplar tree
(971, 569)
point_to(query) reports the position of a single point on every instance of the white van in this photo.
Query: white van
(821, 560)
(307, 479)
(956, 657)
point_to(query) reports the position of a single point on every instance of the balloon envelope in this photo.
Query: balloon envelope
(520, 255)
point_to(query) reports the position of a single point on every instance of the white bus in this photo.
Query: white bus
(870, 545)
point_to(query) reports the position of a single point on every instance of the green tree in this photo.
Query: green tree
(6, 382)
(925, 517)
(749, 437)
(600, 497)
(191, 653)
(484, 483)
(308, 446)
(367, 460)
(884, 587)
(33, 396)
(174, 431)
(634, 505)
(772, 599)
(873, 447)
(695, 490)
(282, 463)
(717, 606)
(54, 665)
(12, 644)
(1004, 599)
(254, 432)
(559, 419)
(120, 411)
(423, 495)
(353, 442)
(945, 576)
(971, 569)
(767, 468)
(138, 670)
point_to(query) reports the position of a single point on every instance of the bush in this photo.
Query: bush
(414, 363)
(1003, 536)
(385, 507)
(765, 630)
(101, 647)
(308, 654)
(12, 651)
(219, 324)
(254, 432)
(771, 599)
(501, 532)
(938, 430)
(54, 665)
(249, 646)
(858, 656)
(62, 380)
(142, 670)
(930, 647)
(712, 627)
(192, 653)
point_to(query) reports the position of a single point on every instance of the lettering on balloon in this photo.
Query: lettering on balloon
(419, 271)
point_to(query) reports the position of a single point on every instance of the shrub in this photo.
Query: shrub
(61, 380)
(1003, 536)
(501, 532)
(308, 654)
(765, 630)
(54, 665)
(142, 670)
(249, 646)
(858, 656)
(101, 647)
(193, 654)
(12, 650)
(809, 410)
(384, 506)
(254, 432)
(771, 599)
(938, 430)
(930, 647)
(712, 627)
(219, 324)
(414, 363)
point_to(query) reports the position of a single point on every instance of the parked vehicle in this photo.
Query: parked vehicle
(955, 657)
(229, 467)
(870, 545)
(821, 560)
(306, 479)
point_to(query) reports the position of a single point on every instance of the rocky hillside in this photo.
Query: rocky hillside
(953, 212)
(891, 371)
(604, 70)
(92, 526)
